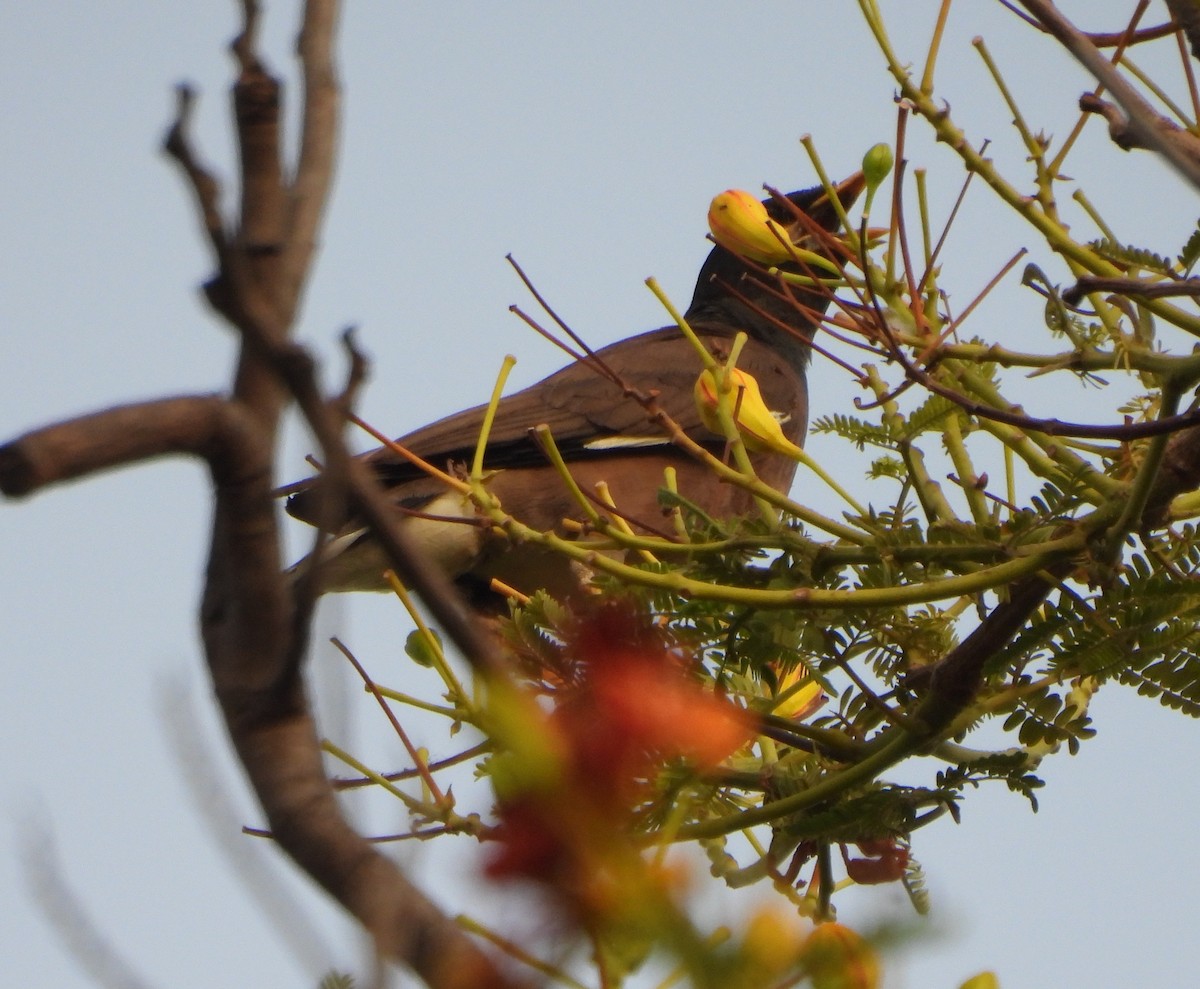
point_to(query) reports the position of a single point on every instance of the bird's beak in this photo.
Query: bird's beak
(848, 190)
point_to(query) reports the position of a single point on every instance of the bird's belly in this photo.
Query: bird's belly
(446, 533)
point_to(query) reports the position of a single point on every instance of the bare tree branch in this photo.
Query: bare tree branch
(1130, 286)
(309, 192)
(257, 681)
(1106, 39)
(204, 186)
(202, 425)
(247, 615)
(213, 800)
(1144, 126)
(254, 635)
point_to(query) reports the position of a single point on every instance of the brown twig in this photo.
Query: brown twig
(308, 193)
(205, 188)
(332, 496)
(1130, 286)
(1106, 39)
(1049, 427)
(422, 766)
(202, 425)
(1143, 126)
(575, 337)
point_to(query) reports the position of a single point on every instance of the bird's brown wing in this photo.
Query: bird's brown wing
(581, 407)
(587, 413)
(578, 403)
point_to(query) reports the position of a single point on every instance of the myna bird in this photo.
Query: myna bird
(604, 435)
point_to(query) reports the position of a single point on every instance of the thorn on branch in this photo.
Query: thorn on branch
(358, 371)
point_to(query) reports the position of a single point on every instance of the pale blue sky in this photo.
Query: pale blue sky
(588, 140)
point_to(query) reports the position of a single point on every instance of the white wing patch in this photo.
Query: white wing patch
(625, 442)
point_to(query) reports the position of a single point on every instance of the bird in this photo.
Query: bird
(603, 434)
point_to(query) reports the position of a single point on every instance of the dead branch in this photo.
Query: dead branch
(201, 425)
(259, 686)
(1143, 126)
(1130, 286)
(247, 619)
(309, 190)
(1107, 39)
(254, 635)
(1128, 137)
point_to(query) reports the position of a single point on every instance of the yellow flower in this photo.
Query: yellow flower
(801, 702)
(760, 430)
(739, 223)
(757, 425)
(772, 941)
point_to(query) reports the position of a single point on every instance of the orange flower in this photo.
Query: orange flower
(629, 704)
(658, 708)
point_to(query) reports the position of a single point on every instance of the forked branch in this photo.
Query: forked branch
(254, 632)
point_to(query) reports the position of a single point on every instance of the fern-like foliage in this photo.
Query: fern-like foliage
(916, 887)
(857, 431)
(1189, 254)
(1129, 256)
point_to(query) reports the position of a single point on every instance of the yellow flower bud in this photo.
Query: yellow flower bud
(839, 958)
(739, 223)
(756, 424)
(984, 980)
(772, 940)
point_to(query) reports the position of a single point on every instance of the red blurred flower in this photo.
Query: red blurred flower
(886, 863)
(630, 704)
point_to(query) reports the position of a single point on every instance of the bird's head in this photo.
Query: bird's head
(735, 291)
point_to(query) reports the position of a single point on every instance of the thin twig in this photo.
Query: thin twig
(1143, 125)
(204, 186)
(1130, 286)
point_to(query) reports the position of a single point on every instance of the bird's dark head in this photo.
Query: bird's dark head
(733, 292)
